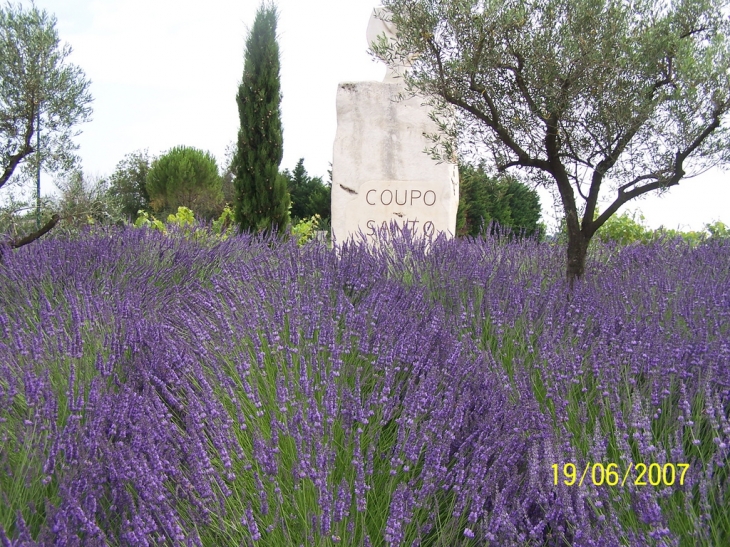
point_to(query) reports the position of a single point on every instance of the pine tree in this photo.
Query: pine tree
(262, 199)
(309, 195)
(188, 177)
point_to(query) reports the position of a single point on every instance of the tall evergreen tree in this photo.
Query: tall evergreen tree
(309, 195)
(262, 199)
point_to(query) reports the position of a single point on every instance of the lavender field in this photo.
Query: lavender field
(157, 390)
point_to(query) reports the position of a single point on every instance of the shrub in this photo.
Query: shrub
(185, 177)
(718, 230)
(145, 220)
(222, 228)
(18, 217)
(88, 199)
(624, 229)
(224, 225)
(305, 230)
(503, 202)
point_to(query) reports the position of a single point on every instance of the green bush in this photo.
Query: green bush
(82, 201)
(185, 177)
(626, 229)
(718, 230)
(224, 225)
(149, 221)
(222, 228)
(305, 230)
(18, 216)
(504, 200)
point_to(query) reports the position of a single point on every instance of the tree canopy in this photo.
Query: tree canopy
(504, 200)
(309, 195)
(262, 199)
(42, 100)
(35, 80)
(128, 183)
(185, 176)
(578, 95)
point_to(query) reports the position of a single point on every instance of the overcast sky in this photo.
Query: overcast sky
(166, 72)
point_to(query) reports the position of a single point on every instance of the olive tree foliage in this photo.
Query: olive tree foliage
(82, 201)
(87, 199)
(185, 177)
(18, 216)
(36, 81)
(598, 99)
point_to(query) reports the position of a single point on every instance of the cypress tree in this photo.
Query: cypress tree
(262, 198)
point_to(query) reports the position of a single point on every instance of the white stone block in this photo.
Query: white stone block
(380, 171)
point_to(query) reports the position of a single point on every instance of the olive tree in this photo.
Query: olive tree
(87, 199)
(37, 85)
(599, 99)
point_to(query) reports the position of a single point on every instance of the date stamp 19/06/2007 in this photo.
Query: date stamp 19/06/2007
(598, 474)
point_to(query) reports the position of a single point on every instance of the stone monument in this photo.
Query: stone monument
(380, 171)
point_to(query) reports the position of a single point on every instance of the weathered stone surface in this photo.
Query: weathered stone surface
(380, 171)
